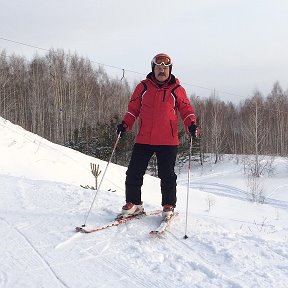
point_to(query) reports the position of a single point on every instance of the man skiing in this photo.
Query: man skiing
(156, 101)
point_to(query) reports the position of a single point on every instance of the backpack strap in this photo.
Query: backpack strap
(141, 94)
(174, 94)
(143, 91)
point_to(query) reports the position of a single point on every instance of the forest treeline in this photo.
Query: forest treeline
(65, 99)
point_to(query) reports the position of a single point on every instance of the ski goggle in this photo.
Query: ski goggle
(162, 60)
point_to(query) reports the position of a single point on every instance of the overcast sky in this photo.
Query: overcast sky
(233, 46)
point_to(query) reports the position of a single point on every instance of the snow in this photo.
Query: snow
(235, 243)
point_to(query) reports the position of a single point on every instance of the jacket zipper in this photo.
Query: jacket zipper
(164, 95)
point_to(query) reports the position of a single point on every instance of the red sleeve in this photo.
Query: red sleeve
(185, 108)
(134, 106)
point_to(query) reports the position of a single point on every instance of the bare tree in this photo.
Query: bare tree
(254, 129)
(60, 96)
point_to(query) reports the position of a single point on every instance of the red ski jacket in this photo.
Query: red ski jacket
(157, 108)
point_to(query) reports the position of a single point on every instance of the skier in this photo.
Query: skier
(156, 101)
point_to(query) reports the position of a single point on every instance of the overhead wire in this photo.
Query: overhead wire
(121, 68)
(136, 72)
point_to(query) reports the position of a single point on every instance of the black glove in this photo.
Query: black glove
(192, 129)
(121, 128)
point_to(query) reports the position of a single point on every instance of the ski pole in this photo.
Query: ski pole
(113, 151)
(188, 186)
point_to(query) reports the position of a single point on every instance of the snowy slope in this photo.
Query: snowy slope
(235, 244)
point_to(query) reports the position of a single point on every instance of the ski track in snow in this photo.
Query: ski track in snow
(69, 241)
(3, 279)
(231, 192)
(46, 266)
(142, 261)
(235, 245)
(246, 257)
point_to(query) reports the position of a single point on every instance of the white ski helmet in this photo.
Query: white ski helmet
(161, 59)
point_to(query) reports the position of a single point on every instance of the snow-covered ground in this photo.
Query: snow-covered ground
(236, 243)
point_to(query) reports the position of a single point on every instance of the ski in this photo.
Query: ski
(116, 222)
(163, 225)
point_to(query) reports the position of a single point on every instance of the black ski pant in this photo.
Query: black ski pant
(166, 158)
